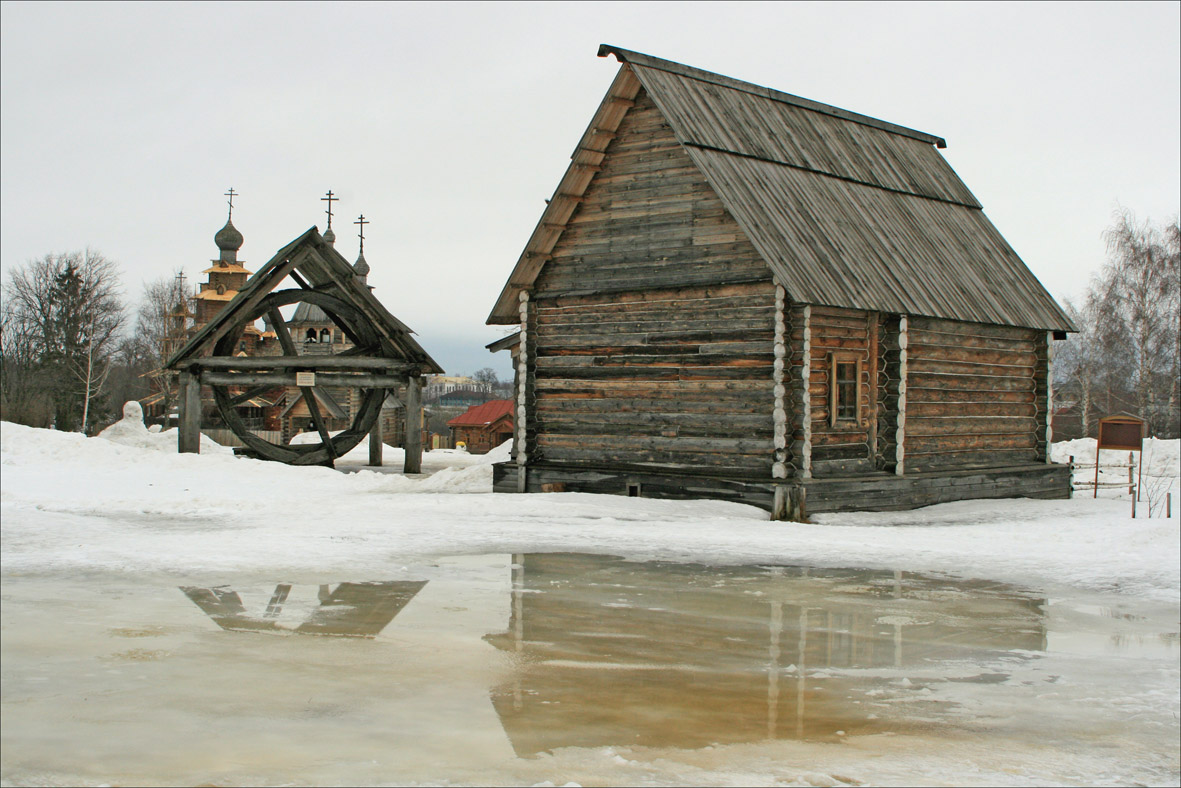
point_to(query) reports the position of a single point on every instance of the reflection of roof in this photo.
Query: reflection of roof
(481, 415)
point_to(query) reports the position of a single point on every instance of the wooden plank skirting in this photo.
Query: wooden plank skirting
(865, 492)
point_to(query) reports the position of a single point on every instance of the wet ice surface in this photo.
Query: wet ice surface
(563, 667)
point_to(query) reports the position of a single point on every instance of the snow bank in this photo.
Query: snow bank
(1160, 457)
(137, 508)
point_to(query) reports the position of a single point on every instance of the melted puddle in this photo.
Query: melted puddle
(487, 668)
(612, 652)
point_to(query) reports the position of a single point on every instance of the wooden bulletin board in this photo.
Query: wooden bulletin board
(1121, 432)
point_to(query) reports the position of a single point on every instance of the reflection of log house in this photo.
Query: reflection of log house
(739, 293)
(483, 427)
(613, 652)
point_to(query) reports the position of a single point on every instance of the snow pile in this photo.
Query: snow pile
(130, 431)
(1160, 457)
(502, 453)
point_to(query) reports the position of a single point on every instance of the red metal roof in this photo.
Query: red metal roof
(479, 415)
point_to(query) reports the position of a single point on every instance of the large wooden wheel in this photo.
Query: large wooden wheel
(230, 390)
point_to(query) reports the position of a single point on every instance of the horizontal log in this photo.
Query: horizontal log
(1024, 358)
(681, 445)
(308, 363)
(944, 367)
(954, 444)
(920, 409)
(636, 425)
(977, 383)
(671, 403)
(999, 457)
(624, 388)
(918, 424)
(657, 351)
(920, 324)
(360, 380)
(918, 396)
(621, 301)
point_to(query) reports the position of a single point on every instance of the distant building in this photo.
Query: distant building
(483, 427)
(438, 385)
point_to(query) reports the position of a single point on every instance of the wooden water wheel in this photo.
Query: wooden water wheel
(384, 356)
(235, 380)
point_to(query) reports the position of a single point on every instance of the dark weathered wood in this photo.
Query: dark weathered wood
(309, 398)
(270, 379)
(189, 428)
(293, 361)
(413, 438)
(375, 445)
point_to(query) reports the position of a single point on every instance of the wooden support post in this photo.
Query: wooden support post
(900, 435)
(1050, 395)
(523, 378)
(189, 429)
(779, 503)
(413, 442)
(806, 383)
(375, 444)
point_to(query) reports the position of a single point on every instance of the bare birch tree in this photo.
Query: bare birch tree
(1139, 296)
(162, 324)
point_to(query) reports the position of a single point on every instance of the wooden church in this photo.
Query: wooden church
(738, 293)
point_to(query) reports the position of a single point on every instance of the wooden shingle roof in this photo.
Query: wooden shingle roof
(845, 209)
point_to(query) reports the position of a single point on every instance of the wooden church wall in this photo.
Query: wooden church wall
(653, 341)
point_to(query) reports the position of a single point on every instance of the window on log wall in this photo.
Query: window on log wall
(845, 390)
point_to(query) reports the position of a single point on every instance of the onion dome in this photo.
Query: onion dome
(228, 241)
(330, 236)
(361, 267)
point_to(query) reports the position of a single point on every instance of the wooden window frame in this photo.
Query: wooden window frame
(834, 359)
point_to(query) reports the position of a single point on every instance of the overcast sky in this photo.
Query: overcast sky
(449, 124)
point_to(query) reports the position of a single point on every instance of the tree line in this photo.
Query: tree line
(1126, 356)
(70, 356)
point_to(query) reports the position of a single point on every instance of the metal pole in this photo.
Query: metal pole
(1131, 476)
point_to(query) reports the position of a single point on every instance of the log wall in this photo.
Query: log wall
(670, 377)
(848, 446)
(654, 337)
(974, 395)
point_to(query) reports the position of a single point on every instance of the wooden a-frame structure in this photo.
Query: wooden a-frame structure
(384, 356)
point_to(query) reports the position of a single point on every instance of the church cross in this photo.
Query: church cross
(231, 193)
(361, 233)
(329, 199)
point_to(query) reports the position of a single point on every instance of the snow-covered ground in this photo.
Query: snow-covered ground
(91, 503)
(98, 533)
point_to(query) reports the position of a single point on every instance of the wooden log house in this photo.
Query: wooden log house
(742, 294)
